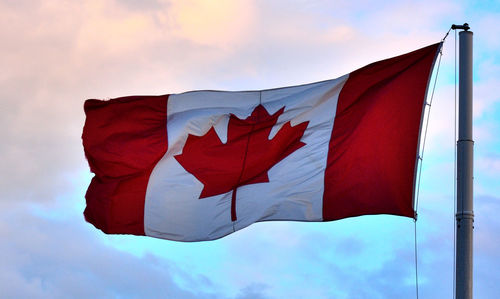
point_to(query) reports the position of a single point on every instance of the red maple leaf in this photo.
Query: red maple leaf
(245, 158)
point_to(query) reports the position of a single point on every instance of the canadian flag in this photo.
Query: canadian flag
(200, 165)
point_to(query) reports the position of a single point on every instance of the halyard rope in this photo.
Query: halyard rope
(421, 157)
(455, 170)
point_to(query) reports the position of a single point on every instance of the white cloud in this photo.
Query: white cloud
(56, 259)
(487, 91)
(489, 164)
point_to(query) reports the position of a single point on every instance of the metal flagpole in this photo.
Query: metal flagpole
(465, 214)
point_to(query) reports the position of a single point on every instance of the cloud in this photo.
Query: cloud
(206, 22)
(486, 228)
(254, 291)
(489, 164)
(487, 91)
(341, 259)
(487, 22)
(54, 258)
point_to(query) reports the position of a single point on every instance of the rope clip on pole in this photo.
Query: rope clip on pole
(465, 27)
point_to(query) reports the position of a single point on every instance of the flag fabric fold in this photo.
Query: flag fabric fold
(200, 165)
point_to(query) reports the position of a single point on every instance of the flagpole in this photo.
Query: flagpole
(465, 143)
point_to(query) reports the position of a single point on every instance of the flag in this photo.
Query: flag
(200, 165)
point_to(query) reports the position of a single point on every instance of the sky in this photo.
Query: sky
(56, 54)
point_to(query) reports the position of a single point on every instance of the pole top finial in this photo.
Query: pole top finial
(465, 27)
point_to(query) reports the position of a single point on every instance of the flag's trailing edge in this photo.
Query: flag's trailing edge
(203, 164)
